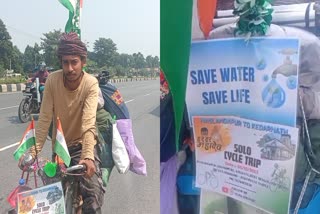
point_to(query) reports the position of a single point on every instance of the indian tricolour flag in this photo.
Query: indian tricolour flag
(28, 140)
(181, 22)
(75, 9)
(60, 146)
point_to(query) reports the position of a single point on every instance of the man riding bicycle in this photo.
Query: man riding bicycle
(72, 95)
(278, 172)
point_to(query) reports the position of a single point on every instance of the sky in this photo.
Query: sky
(134, 26)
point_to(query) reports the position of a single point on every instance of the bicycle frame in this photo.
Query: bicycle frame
(73, 200)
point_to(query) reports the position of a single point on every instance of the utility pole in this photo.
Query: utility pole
(316, 8)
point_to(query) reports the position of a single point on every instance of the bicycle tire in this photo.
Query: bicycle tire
(201, 179)
(273, 185)
(214, 181)
(286, 183)
(68, 200)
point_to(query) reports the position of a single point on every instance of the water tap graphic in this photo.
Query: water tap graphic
(273, 94)
(287, 68)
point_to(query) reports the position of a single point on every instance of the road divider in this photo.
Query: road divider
(22, 86)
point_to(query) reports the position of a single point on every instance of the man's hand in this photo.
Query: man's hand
(91, 168)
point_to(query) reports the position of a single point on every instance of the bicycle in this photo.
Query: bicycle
(70, 178)
(208, 178)
(279, 182)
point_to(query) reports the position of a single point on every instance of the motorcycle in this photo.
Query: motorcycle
(31, 103)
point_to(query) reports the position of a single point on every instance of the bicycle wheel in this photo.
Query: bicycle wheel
(214, 181)
(68, 198)
(285, 184)
(273, 185)
(201, 179)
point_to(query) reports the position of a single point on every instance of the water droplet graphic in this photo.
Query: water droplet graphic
(273, 95)
(265, 78)
(292, 82)
(261, 65)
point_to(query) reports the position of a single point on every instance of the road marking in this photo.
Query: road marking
(129, 101)
(8, 147)
(146, 95)
(9, 107)
(18, 92)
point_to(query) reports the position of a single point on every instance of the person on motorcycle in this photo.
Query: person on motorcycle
(42, 74)
(71, 94)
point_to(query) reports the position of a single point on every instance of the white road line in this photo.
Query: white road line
(146, 95)
(7, 93)
(9, 107)
(8, 147)
(129, 101)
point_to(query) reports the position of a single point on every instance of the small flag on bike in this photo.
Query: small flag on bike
(60, 146)
(28, 140)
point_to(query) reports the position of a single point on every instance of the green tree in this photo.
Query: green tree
(2, 70)
(28, 59)
(125, 60)
(105, 52)
(38, 57)
(91, 66)
(149, 61)
(49, 45)
(155, 62)
(6, 49)
(17, 60)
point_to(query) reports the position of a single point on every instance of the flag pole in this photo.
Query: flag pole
(34, 134)
(56, 155)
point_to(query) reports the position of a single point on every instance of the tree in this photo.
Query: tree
(38, 57)
(6, 49)
(155, 62)
(139, 61)
(49, 45)
(125, 60)
(2, 71)
(149, 61)
(105, 52)
(17, 60)
(91, 66)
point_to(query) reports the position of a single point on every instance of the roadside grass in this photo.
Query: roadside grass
(12, 80)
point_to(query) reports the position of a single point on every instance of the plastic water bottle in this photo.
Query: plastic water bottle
(13, 197)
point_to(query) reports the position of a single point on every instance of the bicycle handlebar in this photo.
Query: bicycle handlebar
(81, 167)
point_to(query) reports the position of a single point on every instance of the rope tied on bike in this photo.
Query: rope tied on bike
(305, 133)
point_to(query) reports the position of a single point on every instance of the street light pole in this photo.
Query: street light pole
(316, 8)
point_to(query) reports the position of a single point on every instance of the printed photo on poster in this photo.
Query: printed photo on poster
(247, 160)
(44, 200)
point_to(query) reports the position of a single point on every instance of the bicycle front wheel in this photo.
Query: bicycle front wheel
(214, 182)
(273, 185)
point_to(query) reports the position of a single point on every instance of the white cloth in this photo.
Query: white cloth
(100, 100)
(119, 152)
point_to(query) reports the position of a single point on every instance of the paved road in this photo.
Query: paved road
(127, 193)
